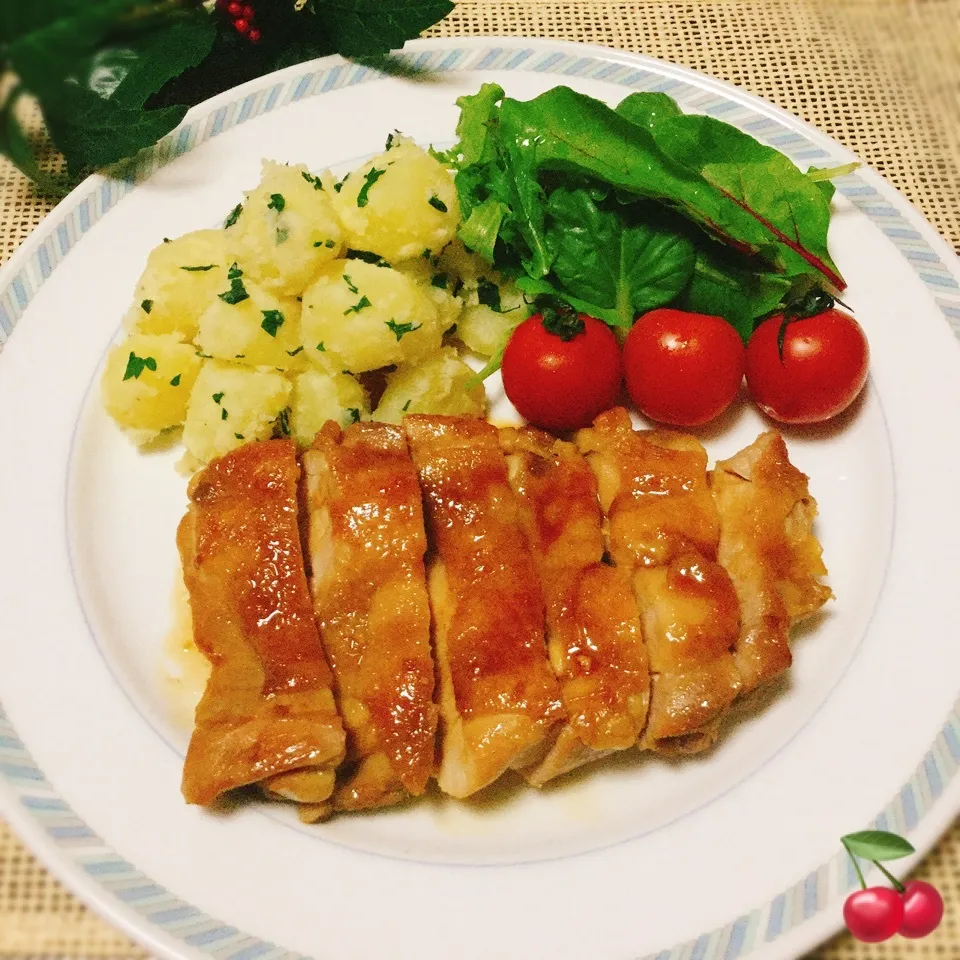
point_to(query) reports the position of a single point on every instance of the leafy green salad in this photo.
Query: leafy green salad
(618, 211)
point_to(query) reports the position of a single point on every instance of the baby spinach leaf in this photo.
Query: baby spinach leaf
(480, 230)
(763, 182)
(648, 109)
(725, 284)
(612, 258)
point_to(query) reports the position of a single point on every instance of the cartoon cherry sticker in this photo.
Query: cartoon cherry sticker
(874, 914)
(922, 909)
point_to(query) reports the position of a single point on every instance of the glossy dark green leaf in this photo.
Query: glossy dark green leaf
(730, 286)
(365, 27)
(612, 258)
(877, 845)
(16, 147)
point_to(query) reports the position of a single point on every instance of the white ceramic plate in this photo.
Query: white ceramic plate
(728, 855)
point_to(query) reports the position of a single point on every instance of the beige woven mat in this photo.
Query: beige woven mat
(882, 76)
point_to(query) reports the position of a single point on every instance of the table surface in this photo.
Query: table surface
(882, 76)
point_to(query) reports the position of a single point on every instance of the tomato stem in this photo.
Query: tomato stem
(898, 886)
(856, 866)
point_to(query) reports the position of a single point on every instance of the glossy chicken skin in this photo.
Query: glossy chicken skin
(594, 638)
(498, 697)
(267, 715)
(768, 548)
(366, 544)
(663, 530)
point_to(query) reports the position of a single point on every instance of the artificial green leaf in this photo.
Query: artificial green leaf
(44, 56)
(16, 147)
(877, 845)
(759, 179)
(365, 27)
(726, 284)
(92, 132)
(612, 258)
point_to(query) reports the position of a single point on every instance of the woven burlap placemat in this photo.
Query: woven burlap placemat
(882, 76)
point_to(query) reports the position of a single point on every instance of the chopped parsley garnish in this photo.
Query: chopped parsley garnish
(237, 292)
(367, 256)
(239, 356)
(217, 397)
(389, 143)
(282, 235)
(239, 436)
(437, 204)
(338, 186)
(293, 353)
(329, 244)
(406, 406)
(136, 366)
(426, 255)
(321, 347)
(167, 240)
(312, 180)
(400, 330)
(361, 304)
(276, 202)
(351, 286)
(354, 414)
(223, 413)
(146, 305)
(206, 356)
(439, 280)
(489, 294)
(272, 321)
(369, 179)
(203, 269)
(233, 217)
(283, 423)
(175, 382)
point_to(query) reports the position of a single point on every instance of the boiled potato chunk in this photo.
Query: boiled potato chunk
(287, 229)
(147, 383)
(365, 317)
(399, 204)
(319, 397)
(437, 385)
(181, 278)
(230, 405)
(262, 331)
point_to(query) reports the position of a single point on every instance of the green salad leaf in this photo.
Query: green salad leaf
(620, 211)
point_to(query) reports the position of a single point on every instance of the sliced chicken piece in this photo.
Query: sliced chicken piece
(594, 638)
(367, 543)
(267, 716)
(499, 699)
(663, 531)
(768, 548)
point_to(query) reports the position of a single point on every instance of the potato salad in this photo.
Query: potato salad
(319, 299)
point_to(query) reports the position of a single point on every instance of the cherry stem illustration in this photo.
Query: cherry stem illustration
(856, 866)
(898, 886)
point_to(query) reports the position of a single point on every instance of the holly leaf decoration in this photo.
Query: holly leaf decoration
(877, 845)
(363, 28)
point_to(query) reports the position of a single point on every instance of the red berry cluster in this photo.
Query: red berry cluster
(243, 17)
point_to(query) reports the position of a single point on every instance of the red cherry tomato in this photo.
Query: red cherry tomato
(823, 369)
(922, 909)
(682, 368)
(874, 914)
(561, 372)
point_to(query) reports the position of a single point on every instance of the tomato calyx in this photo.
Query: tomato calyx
(559, 318)
(813, 302)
